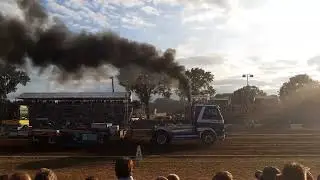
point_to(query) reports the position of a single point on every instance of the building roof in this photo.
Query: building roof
(74, 95)
(267, 97)
(221, 99)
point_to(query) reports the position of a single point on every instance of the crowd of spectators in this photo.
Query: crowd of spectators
(124, 169)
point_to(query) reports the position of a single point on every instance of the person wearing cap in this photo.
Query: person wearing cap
(123, 169)
(268, 173)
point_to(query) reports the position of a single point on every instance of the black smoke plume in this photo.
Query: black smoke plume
(70, 52)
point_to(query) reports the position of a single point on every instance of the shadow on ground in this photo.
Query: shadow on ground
(114, 148)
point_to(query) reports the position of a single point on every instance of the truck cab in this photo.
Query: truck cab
(207, 124)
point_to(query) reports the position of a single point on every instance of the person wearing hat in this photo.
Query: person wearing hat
(268, 173)
(123, 169)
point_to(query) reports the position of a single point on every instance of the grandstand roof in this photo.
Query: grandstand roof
(74, 95)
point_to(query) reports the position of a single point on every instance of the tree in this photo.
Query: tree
(10, 77)
(147, 84)
(200, 81)
(245, 96)
(296, 83)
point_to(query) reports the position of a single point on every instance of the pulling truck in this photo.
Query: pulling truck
(205, 123)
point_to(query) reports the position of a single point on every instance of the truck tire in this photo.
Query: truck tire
(208, 138)
(161, 138)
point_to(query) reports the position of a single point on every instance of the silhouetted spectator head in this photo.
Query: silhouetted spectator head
(294, 171)
(173, 177)
(268, 173)
(161, 178)
(91, 178)
(4, 177)
(20, 176)
(318, 178)
(45, 174)
(123, 168)
(223, 175)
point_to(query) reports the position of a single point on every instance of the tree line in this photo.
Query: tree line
(146, 84)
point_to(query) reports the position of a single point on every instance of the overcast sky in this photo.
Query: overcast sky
(271, 39)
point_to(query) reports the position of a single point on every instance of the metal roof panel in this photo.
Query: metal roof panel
(72, 95)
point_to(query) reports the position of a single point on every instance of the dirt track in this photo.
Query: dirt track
(306, 143)
(275, 149)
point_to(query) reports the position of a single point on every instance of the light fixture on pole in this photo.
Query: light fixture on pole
(247, 76)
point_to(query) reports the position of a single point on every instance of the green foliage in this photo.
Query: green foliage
(10, 77)
(296, 83)
(146, 85)
(201, 83)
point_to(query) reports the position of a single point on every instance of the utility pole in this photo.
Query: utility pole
(112, 84)
(247, 76)
(245, 100)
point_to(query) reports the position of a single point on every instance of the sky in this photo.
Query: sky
(271, 39)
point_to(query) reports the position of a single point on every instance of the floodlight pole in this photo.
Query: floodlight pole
(112, 83)
(247, 76)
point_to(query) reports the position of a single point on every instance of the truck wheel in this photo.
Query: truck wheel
(208, 138)
(161, 138)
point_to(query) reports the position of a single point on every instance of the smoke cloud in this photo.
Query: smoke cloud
(72, 52)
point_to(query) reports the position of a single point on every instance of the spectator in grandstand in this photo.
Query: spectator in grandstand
(294, 171)
(20, 176)
(268, 173)
(91, 178)
(173, 177)
(45, 174)
(123, 169)
(161, 178)
(4, 177)
(223, 175)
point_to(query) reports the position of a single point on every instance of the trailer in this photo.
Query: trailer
(76, 118)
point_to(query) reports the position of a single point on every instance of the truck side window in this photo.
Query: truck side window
(210, 113)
